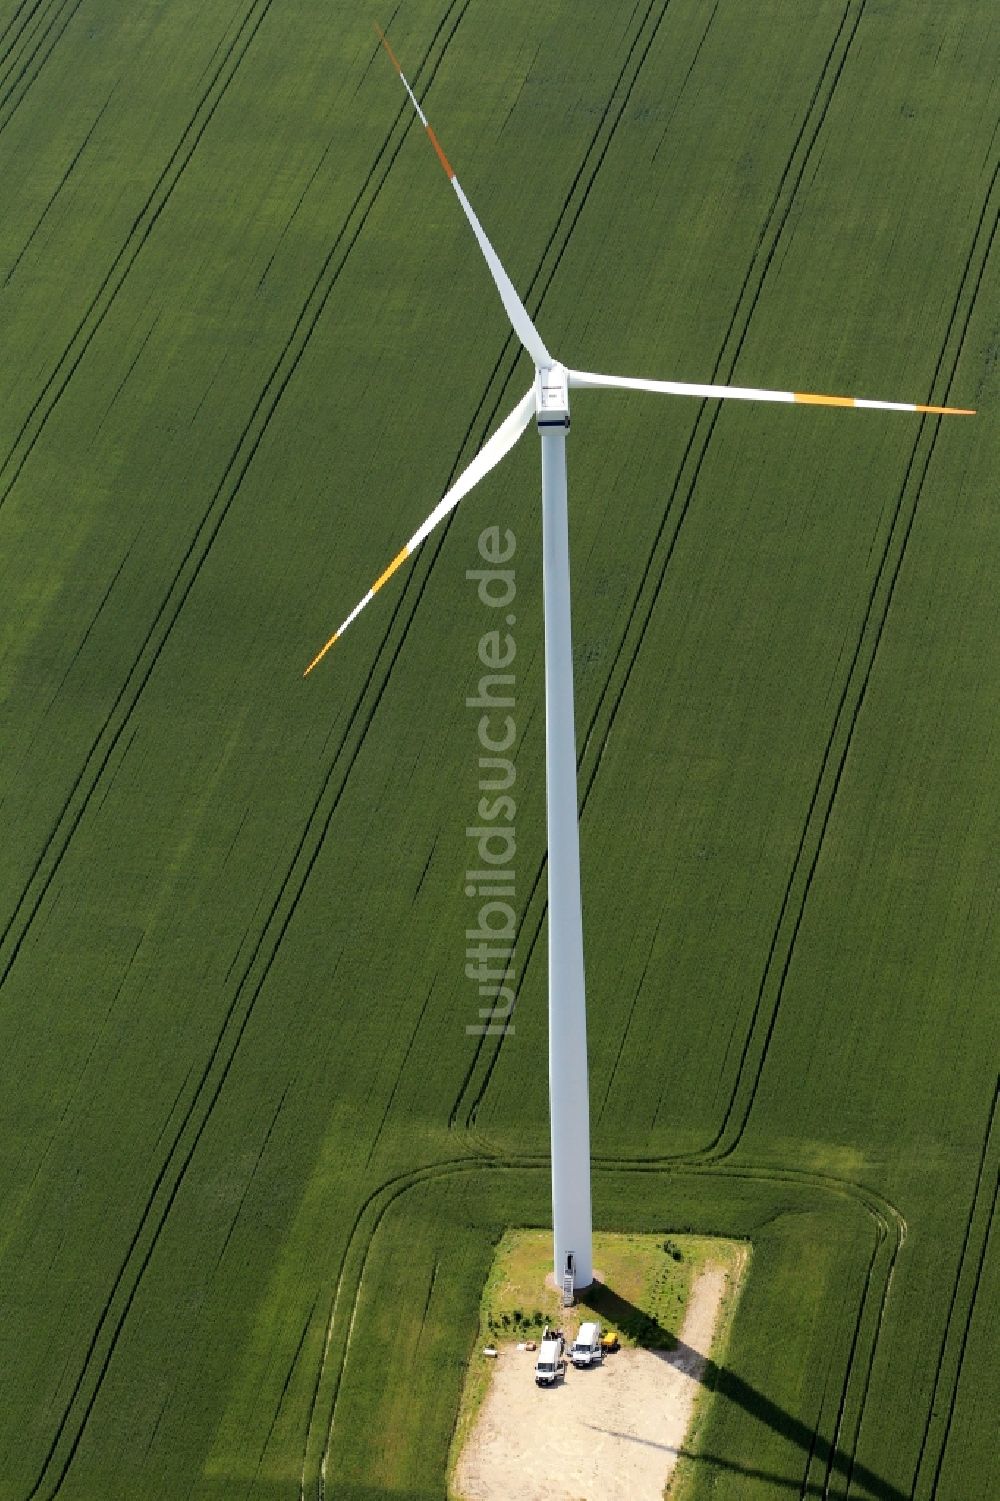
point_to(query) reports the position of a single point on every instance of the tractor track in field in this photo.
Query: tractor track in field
(948, 1355)
(47, 399)
(185, 574)
(899, 1226)
(16, 14)
(58, 189)
(623, 662)
(19, 70)
(187, 1135)
(72, 810)
(965, 1337)
(851, 1366)
(888, 1232)
(857, 678)
(17, 34)
(613, 1071)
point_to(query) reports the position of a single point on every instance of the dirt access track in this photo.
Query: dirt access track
(609, 1432)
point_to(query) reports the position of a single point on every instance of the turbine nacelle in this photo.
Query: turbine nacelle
(551, 397)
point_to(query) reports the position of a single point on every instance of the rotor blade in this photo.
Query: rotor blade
(585, 380)
(487, 458)
(516, 311)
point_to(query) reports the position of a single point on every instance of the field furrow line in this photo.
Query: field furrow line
(18, 14)
(623, 661)
(400, 1071)
(628, 1020)
(21, 82)
(142, 227)
(974, 1294)
(757, 267)
(723, 370)
(835, 1460)
(206, 1092)
(852, 697)
(954, 1310)
(250, 1177)
(59, 187)
(30, 21)
(296, 1357)
(221, 43)
(596, 150)
(872, 1352)
(822, 97)
(186, 572)
(69, 815)
(814, 1443)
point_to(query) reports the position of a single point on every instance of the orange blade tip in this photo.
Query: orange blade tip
(950, 411)
(446, 164)
(385, 43)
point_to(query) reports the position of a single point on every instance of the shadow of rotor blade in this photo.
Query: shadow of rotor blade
(613, 1309)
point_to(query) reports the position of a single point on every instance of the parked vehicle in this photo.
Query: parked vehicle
(549, 1365)
(587, 1346)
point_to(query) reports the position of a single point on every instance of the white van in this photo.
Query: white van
(548, 1366)
(587, 1347)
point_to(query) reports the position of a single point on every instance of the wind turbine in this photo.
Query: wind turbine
(548, 402)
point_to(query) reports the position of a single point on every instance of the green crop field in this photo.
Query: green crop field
(253, 1161)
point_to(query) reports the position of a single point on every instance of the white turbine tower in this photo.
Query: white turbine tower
(548, 402)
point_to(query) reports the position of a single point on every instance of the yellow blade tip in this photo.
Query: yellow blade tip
(320, 655)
